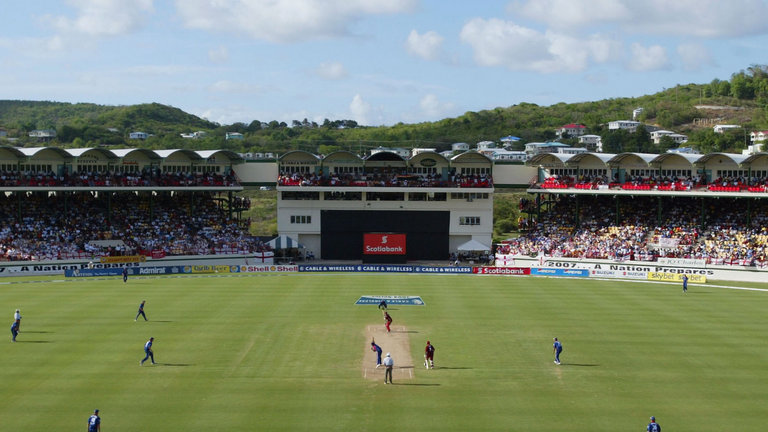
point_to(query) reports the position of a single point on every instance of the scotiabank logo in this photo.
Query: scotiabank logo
(383, 244)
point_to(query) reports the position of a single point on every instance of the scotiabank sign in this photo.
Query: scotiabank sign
(383, 244)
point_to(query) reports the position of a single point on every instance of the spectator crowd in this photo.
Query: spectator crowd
(80, 225)
(382, 179)
(723, 236)
(145, 178)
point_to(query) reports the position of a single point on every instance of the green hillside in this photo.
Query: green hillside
(690, 109)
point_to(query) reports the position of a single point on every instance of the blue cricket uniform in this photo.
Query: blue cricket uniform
(378, 353)
(141, 312)
(15, 332)
(93, 423)
(148, 351)
(653, 427)
(125, 274)
(685, 283)
(558, 349)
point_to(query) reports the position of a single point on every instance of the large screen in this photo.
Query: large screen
(426, 232)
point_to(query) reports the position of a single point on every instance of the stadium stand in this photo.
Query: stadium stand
(87, 225)
(713, 230)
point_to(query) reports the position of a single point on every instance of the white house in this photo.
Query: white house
(509, 155)
(138, 135)
(636, 113)
(234, 136)
(459, 147)
(758, 136)
(416, 151)
(485, 145)
(723, 128)
(594, 142)
(571, 130)
(629, 125)
(656, 136)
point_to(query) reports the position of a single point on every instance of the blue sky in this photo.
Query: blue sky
(376, 62)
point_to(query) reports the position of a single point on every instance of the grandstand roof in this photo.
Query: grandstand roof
(753, 158)
(189, 153)
(621, 157)
(32, 151)
(81, 151)
(471, 155)
(691, 158)
(735, 158)
(207, 154)
(550, 159)
(385, 155)
(125, 152)
(13, 150)
(604, 157)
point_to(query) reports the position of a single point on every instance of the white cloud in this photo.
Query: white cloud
(286, 20)
(331, 70)
(428, 46)
(104, 17)
(432, 107)
(694, 56)
(219, 54)
(698, 18)
(502, 43)
(360, 110)
(649, 58)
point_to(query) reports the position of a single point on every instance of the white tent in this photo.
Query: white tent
(284, 242)
(473, 246)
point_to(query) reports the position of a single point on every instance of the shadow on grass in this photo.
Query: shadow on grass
(162, 321)
(175, 364)
(407, 331)
(579, 364)
(417, 384)
(449, 367)
(29, 331)
(35, 341)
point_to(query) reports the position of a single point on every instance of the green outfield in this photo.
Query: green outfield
(282, 352)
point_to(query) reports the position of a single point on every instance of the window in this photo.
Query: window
(301, 219)
(469, 220)
(300, 196)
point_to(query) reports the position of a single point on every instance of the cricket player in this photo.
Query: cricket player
(653, 426)
(14, 330)
(685, 284)
(387, 320)
(148, 351)
(141, 311)
(429, 356)
(125, 274)
(557, 348)
(383, 304)
(377, 349)
(94, 422)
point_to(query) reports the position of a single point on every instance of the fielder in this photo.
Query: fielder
(387, 320)
(557, 348)
(429, 356)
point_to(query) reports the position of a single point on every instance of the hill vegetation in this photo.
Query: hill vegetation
(690, 109)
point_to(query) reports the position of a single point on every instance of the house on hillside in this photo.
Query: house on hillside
(3, 133)
(636, 113)
(138, 135)
(234, 136)
(43, 135)
(629, 125)
(460, 147)
(571, 130)
(724, 127)
(592, 142)
(656, 136)
(758, 136)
